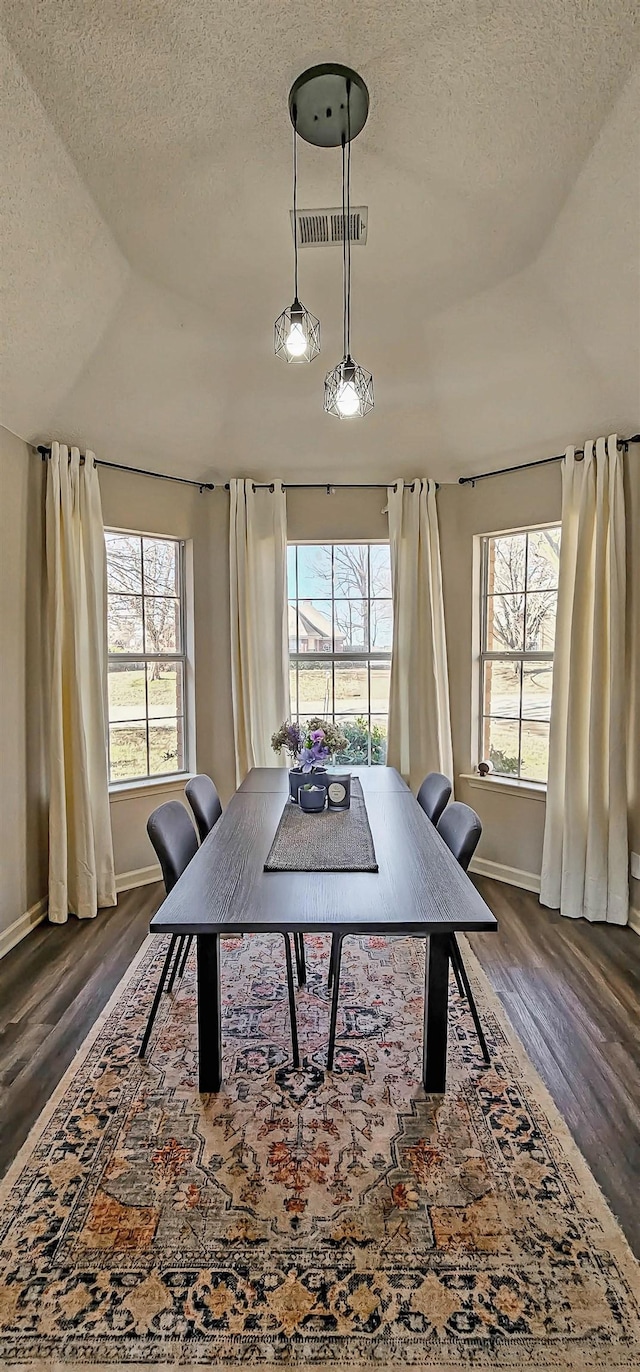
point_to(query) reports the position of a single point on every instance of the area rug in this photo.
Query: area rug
(305, 1219)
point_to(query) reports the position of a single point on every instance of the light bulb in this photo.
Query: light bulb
(347, 402)
(296, 341)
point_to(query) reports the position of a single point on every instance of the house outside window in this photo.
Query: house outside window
(146, 656)
(519, 594)
(340, 638)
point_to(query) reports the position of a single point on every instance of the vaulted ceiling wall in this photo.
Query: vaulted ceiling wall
(147, 244)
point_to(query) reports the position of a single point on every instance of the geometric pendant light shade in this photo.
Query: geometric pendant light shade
(296, 335)
(348, 390)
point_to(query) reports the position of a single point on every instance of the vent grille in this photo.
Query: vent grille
(324, 228)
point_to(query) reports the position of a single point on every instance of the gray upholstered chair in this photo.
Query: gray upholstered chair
(175, 842)
(434, 795)
(205, 803)
(174, 839)
(461, 830)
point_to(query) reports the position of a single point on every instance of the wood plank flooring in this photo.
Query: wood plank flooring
(571, 990)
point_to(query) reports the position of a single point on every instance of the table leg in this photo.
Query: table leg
(209, 1014)
(436, 989)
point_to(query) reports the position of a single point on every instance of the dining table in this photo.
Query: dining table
(419, 891)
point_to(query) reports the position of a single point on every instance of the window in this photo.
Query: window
(146, 640)
(519, 575)
(340, 632)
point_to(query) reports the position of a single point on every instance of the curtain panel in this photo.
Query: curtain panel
(419, 721)
(81, 869)
(585, 852)
(259, 622)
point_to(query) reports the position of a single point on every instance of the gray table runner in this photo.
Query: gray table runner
(333, 841)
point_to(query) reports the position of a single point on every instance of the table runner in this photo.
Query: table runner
(332, 841)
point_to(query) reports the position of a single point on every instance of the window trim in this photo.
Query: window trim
(364, 656)
(155, 779)
(492, 655)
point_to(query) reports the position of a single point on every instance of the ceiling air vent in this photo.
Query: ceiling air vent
(324, 228)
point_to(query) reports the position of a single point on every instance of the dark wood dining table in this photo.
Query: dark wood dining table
(419, 891)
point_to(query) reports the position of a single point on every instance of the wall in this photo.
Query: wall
(23, 814)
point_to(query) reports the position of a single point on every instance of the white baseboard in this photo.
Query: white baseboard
(142, 876)
(634, 920)
(23, 925)
(513, 876)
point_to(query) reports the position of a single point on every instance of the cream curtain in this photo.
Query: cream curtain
(259, 622)
(585, 854)
(81, 873)
(419, 721)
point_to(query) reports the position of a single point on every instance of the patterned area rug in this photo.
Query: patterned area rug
(302, 1219)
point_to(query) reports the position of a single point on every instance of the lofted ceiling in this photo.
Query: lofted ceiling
(147, 243)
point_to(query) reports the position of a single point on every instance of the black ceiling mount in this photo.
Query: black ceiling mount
(318, 104)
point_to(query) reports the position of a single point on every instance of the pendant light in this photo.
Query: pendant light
(296, 330)
(348, 389)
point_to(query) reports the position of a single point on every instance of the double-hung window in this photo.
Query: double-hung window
(519, 592)
(147, 660)
(340, 638)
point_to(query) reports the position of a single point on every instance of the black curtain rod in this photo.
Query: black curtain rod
(328, 486)
(541, 462)
(45, 452)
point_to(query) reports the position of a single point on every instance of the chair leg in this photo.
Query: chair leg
(292, 1002)
(331, 961)
(455, 958)
(156, 1000)
(334, 973)
(472, 1005)
(182, 938)
(185, 955)
(298, 943)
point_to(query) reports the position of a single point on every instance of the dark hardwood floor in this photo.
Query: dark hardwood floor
(571, 990)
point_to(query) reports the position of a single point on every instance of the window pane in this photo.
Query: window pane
(162, 625)
(127, 751)
(536, 690)
(164, 689)
(502, 689)
(380, 677)
(124, 624)
(126, 691)
(541, 621)
(356, 731)
(124, 563)
(380, 570)
(543, 559)
(293, 689)
(501, 745)
(352, 687)
(381, 622)
(350, 624)
(291, 572)
(166, 750)
(379, 740)
(315, 633)
(293, 627)
(351, 570)
(314, 572)
(160, 565)
(505, 623)
(506, 563)
(534, 761)
(315, 688)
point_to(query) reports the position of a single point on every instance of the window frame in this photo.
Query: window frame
(154, 778)
(363, 655)
(486, 655)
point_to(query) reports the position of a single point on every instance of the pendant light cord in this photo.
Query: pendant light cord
(345, 334)
(347, 227)
(295, 204)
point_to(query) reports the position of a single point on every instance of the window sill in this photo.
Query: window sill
(147, 786)
(533, 790)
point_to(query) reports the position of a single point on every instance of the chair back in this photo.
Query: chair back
(174, 839)
(205, 803)
(433, 795)
(461, 829)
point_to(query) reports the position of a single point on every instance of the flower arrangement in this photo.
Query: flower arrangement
(309, 746)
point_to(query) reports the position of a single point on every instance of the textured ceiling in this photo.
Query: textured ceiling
(147, 244)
